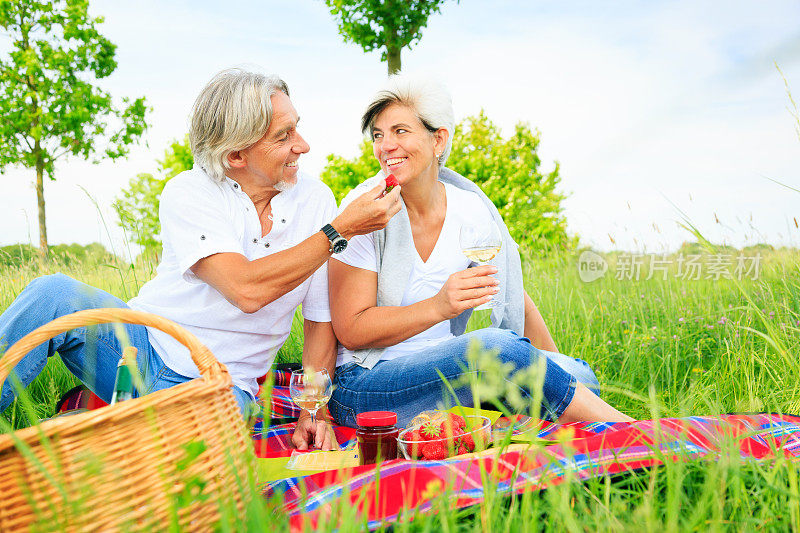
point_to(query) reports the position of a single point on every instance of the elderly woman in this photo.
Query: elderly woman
(401, 296)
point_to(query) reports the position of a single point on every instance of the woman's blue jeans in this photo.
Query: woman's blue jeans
(411, 384)
(89, 352)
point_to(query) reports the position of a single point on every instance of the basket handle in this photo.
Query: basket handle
(206, 362)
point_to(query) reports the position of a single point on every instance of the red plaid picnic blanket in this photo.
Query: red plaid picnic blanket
(381, 494)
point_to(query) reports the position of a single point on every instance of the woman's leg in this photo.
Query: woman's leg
(409, 385)
(579, 368)
(91, 353)
(587, 406)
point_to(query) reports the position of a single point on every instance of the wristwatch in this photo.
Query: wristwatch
(338, 243)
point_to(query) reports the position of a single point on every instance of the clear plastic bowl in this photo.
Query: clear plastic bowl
(481, 432)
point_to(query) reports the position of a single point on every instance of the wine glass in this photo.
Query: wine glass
(480, 242)
(311, 390)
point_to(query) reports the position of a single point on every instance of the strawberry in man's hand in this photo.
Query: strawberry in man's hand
(391, 183)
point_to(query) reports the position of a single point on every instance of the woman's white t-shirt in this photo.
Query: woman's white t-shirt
(427, 277)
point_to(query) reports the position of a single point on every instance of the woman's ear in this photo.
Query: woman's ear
(236, 159)
(441, 136)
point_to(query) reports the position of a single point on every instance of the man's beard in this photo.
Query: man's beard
(283, 185)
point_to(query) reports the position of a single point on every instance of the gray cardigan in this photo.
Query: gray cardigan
(395, 244)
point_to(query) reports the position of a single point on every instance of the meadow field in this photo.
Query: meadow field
(667, 346)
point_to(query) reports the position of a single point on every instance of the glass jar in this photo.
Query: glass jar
(377, 436)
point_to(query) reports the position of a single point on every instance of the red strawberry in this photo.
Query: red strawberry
(462, 450)
(415, 443)
(434, 451)
(391, 183)
(457, 420)
(468, 441)
(430, 431)
(448, 429)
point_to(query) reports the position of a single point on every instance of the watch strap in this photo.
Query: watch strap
(330, 232)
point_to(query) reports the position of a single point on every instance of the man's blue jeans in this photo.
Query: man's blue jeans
(91, 353)
(411, 384)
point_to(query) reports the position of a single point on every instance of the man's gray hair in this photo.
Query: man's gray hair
(232, 112)
(429, 100)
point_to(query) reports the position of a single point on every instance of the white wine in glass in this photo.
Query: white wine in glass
(481, 243)
(311, 390)
(481, 254)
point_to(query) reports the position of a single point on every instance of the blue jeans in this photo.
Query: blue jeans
(89, 352)
(579, 368)
(409, 385)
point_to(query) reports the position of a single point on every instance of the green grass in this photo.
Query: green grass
(660, 347)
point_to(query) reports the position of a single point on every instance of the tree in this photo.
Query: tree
(342, 174)
(137, 209)
(507, 170)
(49, 104)
(389, 24)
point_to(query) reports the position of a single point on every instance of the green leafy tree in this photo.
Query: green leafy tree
(48, 102)
(137, 208)
(507, 170)
(342, 174)
(390, 25)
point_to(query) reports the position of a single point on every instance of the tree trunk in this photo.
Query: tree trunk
(393, 58)
(43, 249)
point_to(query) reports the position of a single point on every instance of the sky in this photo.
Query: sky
(658, 112)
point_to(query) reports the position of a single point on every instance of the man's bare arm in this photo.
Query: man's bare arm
(250, 285)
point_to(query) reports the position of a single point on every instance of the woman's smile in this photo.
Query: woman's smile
(394, 162)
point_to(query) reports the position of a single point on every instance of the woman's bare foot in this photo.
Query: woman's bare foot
(586, 406)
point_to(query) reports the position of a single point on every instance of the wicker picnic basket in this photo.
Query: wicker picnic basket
(135, 465)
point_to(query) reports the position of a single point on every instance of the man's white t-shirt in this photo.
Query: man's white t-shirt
(428, 277)
(201, 217)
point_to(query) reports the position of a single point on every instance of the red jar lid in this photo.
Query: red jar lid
(376, 419)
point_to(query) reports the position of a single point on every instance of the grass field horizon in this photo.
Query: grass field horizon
(667, 346)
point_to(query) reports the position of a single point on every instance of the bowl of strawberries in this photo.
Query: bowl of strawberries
(444, 435)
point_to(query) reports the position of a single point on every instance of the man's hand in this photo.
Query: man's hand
(464, 290)
(369, 212)
(319, 435)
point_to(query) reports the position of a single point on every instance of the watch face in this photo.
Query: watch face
(339, 245)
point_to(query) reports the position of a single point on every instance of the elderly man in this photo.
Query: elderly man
(245, 241)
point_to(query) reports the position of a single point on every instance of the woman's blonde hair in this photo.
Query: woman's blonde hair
(232, 112)
(427, 98)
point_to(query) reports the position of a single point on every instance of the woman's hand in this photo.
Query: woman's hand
(465, 290)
